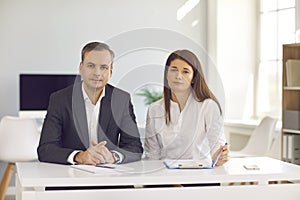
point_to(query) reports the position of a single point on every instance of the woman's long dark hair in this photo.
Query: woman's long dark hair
(199, 85)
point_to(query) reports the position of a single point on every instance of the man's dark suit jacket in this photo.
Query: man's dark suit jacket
(65, 127)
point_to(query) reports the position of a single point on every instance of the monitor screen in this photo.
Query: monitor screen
(35, 89)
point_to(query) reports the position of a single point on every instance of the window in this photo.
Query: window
(277, 27)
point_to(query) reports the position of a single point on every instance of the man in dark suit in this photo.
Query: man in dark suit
(91, 122)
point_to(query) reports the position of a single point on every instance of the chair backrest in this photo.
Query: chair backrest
(262, 138)
(19, 139)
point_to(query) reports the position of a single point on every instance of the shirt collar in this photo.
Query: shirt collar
(86, 97)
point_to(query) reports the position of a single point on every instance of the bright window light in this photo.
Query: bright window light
(194, 23)
(186, 8)
(277, 19)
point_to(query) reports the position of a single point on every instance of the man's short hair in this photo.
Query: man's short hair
(97, 46)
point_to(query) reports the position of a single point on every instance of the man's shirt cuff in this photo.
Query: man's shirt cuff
(71, 157)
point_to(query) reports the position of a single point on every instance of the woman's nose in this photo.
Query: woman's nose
(179, 75)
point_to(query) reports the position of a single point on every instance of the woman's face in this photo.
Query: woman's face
(179, 76)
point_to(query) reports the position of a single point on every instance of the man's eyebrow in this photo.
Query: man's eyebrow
(90, 63)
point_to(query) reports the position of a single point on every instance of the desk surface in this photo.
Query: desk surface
(146, 172)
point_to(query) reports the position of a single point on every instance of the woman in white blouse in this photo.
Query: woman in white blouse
(187, 122)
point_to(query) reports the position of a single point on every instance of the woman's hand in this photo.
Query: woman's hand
(224, 157)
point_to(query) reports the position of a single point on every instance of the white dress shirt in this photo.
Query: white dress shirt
(194, 133)
(92, 114)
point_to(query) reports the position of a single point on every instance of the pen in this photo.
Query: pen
(106, 166)
(217, 158)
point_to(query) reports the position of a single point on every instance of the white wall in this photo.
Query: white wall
(47, 36)
(212, 29)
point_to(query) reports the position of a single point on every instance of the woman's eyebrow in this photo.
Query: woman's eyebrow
(186, 68)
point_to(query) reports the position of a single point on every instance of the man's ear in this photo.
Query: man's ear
(80, 67)
(110, 71)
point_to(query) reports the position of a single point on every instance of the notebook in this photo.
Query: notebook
(185, 164)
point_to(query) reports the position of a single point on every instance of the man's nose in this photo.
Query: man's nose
(98, 70)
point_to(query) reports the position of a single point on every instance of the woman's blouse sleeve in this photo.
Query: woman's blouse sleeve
(214, 126)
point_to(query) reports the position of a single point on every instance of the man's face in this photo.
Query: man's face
(96, 69)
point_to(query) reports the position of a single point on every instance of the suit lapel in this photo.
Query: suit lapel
(79, 115)
(105, 114)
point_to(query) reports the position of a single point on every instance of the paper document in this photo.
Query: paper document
(103, 169)
(116, 167)
(185, 164)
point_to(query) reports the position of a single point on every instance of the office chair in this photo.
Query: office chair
(19, 139)
(260, 141)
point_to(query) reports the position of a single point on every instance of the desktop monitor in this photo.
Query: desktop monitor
(35, 90)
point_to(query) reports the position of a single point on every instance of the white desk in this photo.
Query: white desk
(32, 178)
